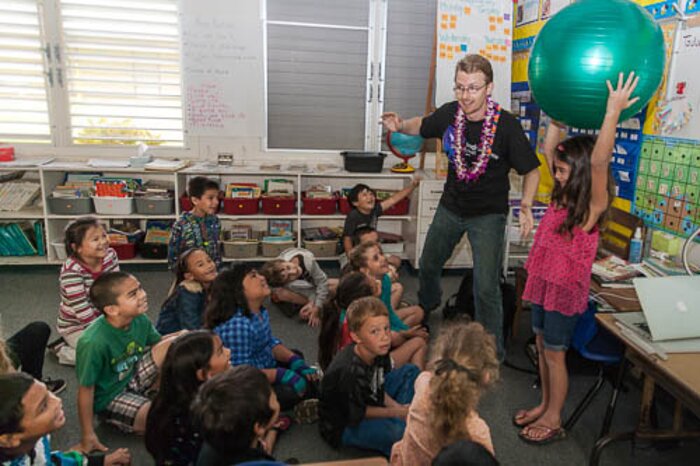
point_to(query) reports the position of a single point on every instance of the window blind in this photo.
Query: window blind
(122, 71)
(24, 111)
(317, 76)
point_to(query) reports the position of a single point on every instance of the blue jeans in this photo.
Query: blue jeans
(381, 434)
(486, 236)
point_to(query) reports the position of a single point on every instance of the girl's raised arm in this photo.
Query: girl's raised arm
(618, 100)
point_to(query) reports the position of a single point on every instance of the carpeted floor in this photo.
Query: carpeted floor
(31, 293)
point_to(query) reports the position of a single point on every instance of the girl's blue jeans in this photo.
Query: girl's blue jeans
(486, 237)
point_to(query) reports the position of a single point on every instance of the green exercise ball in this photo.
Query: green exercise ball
(586, 43)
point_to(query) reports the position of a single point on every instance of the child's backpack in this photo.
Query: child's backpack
(462, 302)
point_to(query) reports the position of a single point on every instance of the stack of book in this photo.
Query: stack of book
(320, 192)
(22, 239)
(243, 190)
(16, 195)
(614, 272)
(278, 187)
(319, 233)
(76, 185)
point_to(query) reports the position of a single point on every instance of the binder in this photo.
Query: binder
(8, 241)
(39, 237)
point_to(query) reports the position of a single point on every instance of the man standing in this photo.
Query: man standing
(483, 142)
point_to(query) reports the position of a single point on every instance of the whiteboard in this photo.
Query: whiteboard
(679, 115)
(222, 55)
(473, 26)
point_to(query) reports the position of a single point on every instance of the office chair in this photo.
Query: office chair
(597, 345)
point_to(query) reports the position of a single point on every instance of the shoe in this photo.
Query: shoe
(56, 386)
(55, 346)
(306, 412)
(550, 434)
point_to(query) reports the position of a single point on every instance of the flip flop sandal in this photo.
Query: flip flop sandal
(522, 414)
(283, 424)
(550, 435)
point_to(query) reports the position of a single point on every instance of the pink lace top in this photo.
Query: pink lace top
(559, 266)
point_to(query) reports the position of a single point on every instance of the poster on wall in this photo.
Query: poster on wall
(526, 12)
(220, 50)
(678, 116)
(473, 26)
(552, 7)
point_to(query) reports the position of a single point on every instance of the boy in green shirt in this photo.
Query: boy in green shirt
(118, 359)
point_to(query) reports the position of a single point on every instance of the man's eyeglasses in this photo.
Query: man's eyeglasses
(470, 89)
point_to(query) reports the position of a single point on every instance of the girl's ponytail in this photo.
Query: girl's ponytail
(464, 364)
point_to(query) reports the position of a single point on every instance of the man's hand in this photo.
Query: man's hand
(392, 121)
(527, 222)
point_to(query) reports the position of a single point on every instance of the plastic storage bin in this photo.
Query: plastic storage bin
(59, 247)
(366, 162)
(185, 203)
(274, 248)
(241, 249)
(273, 205)
(344, 205)
(323, 248)
(124, 251)
(400, 208)
(153, 250)
(70, 206)
(154, 206)
(315, 206)
(241, 206)
(108, 205)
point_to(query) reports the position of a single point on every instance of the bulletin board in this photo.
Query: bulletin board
(667, 195)
(473, 26)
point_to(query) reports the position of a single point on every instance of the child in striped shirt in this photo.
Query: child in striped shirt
(89, 256)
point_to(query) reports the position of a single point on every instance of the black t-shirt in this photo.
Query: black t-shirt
(348, 387)
(357, 219)
(511, 149)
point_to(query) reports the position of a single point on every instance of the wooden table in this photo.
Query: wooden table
(679, 375)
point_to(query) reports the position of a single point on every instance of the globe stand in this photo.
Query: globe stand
(405, 147)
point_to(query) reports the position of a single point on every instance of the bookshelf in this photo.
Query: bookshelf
(51, 174)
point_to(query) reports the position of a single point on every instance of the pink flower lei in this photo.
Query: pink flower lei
(473, 172)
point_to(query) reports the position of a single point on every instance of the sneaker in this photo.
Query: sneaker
(306, 412)
(56, 386)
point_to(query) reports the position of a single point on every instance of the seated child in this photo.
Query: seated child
(335, 332)
(25, 351)
(118, 361)
(297, 279)
(406, 322)
(89, 256)
(236, 313)
(236, 411)
(443, 409)
(363, 401)
(367, 234)
(192, 359)
(29, 412)
(184, 307)
(366, 210)
(200, 227)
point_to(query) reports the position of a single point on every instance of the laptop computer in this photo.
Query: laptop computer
(671, 306)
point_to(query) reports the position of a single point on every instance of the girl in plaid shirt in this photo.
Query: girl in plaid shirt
(236, 313)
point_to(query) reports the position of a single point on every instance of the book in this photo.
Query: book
(613, 268)
(39, 237)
